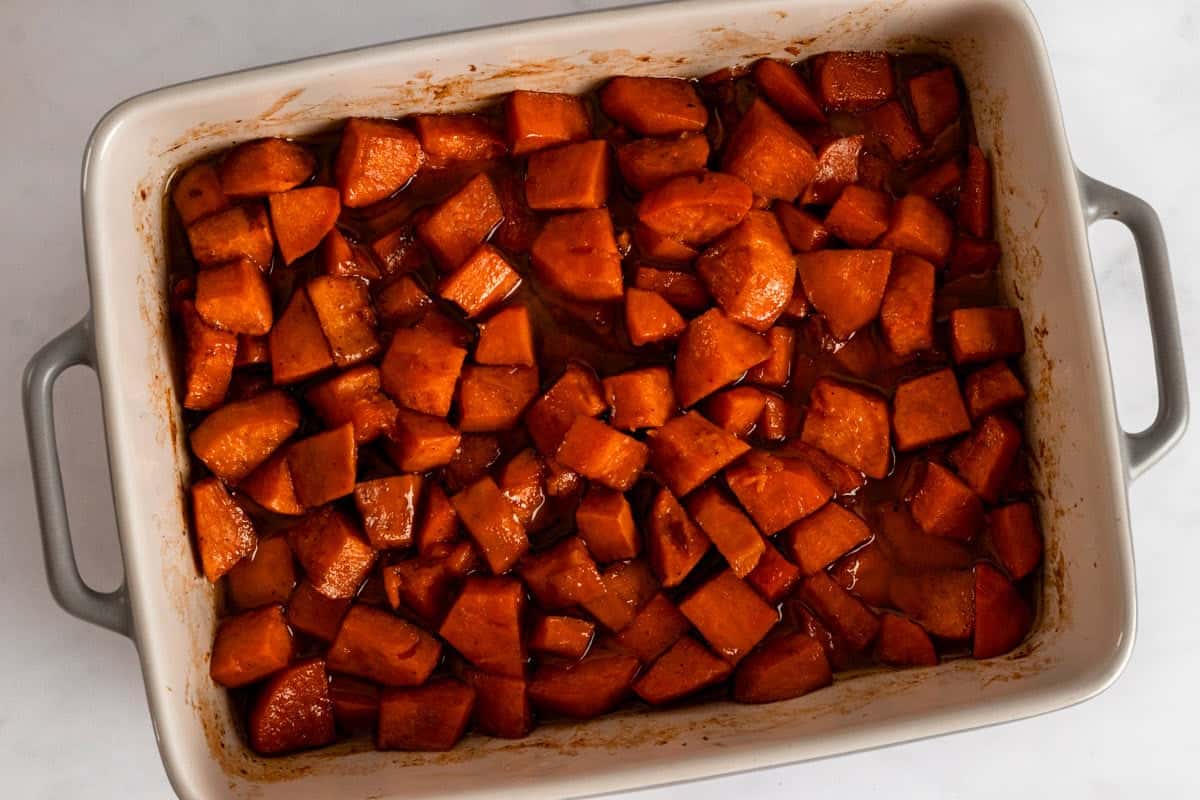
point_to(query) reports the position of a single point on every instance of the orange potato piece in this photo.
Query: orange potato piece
(483, 280)
(576, 393)
(838, 166)
(502, 705)
(343, 307)
(400, 250)
(904, 643)
(449, 138)
(935, 100)
(605, 523)
(647, 163)
(846, 286)
(859, 216)
(314, 614)
(237, 437)
(461, 222)
(355, 702)
(891, 126)
(653, 106)
(345, 260)
(1002, 617)
(421, 442)
(494, 398)
(736, 410)
(427, 584)
(265, 576)
(1015, 537)
(730, 615)
(697, 208)
(376, 158)
(628, 586)
(991, 388)
(250, 646)
(252, 350)
(845, 614)
(198, 193)
(649, 318)
(265, 166)
(420, 371)
(438, 523)
(975, 197)
(476, 455)
(906, 314)
(803, 231)
(850, 424)
(568, 177)
(484, 625)
(985, 334)
(323, 466)
(430, 717)
(945, 506)
(904, 543)
(674, 543)
(335, 558)
(568, 637)
(239, 232)
(714, 352)
(774, 577)
(640, 398)
(681, 289)
(301, 218)
(784, 87)
(583, 689)
(209, 361)
(654, 246)
(844, 479)
(685, 669)
(776, 491)
(492, 522)
(750, 271)
(817, 541)
(377, 645)
(689, 450)
(785, 667)
(516, 232)
(854, 81)
(941, 601)
(928, 409)
(506, 338)
(354, 397)
(535, 120)
(656, 627)
(939, 181)
(734, 535)
(602, 453)
(293, 711)
(576, 254)
(270, 485)
(775, 161)
(778, 420)
(984, 458)
(777, 369)
(388, 507)
(298, 346)
(522, 481)
(919, 227)
(224, 533)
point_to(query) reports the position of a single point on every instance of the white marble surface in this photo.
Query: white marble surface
(73, 720)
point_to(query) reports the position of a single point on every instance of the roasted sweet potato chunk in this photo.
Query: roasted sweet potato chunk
(234, 297)
(647, 163)
(653, 246)
(975, 198)
(270, 485)
(1002, 617)
(945, 506)
(640, 398)
(734, 535)
(655, 628)
(859, 216)
(939, 181)
(602, 454)
(224, 533)
(684, 669)
(605, 523)
(506, 338)
(935, 100)
(198, 192)
(985, 334)
(991, 388)
(355, 702)
(576, 254)
(335, 558)
(854, 81)
(450, 138)
(265, 576)
(421, 442)
(654, 106)
(298, 346)
(208, 362)
(776, 491)
(493, 398)
(785, 667)
(343, 308)
(674, 543)
(265, 166)
(483, 280)
(535, 120)
(461, 222)
(730, 615)
(379, 646)
(777, 369)
(803, 231)
(906, 314)
(696, 208)
(843, 612)
(376, 158)
(492, 522)
(251, 646)
(402, 302)
(568, 637)
(430, 717)
(750, 272)
(784, 87)
(775, 161)
(850, 424)
(577, 392)
(904, 643)
(420, 371)
(314, 614)
(562, 576)
(689, 450)
(681, 289)
(890, 125)
(1015, 537)
(568, 177)
(354, 397)
(774, 577)
(628, 585)
(714, 352)
(838, 166)
(817, 541)
(984, 458)
(941, 601)
(928, 409)
(293, 711)
(323, 466)
(239, 232)
(583, 689)
(425, 586)
(919, 227)
(736, 410)
(237, 437)
(502, 706)
(301, 218)
(846, 286)
(484, 625)
(650, 318)
(388, 507)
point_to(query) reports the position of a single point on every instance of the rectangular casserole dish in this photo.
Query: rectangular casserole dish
(1085, 629)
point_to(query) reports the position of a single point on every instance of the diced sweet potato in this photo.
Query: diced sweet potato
(270, 485)
(650, 318)
(674, 543)
(909, 547)
(904, 643)
(647, 163)
(628, 585)
(776, 491)
(237, 437)
(343, 308)
(473, 459)
(430, 717)
(689, 450)
(568, 177)
(713, 352)
(891, 126)
(402, 302)
(492, 522)
(602, 454)
(375, 644)
(941, 601)
(838, 163)
(298, 346)
(939, 181)
(314, 614)
(775, 161)
(685, 669)
(803, 231)
(777, 369)
(265, 166)
(449, 138)
(734, 535)
(535, 120)
(817, 541)
(843, 612)
(484, 625)
(984, 458)
(563, 575)
(576, 393)
(293, 711)
(576, 254)
(1002, 617)
(785, 667)
(250, 646)
(461, 222)
(850, 424)
(697, 208)
(844, 479)
(506, 338)
(653, 106)
(252, 350)
(224, 533)
(239, 232)
(493, 398)
(265, 576)
(355, 702)
(420, 371)
(438, 522)
(846, 286)
(420, 442)
(1015, 537)
(750, 272)
(522, 481)
(736, 410)
(354, 397)
(992, 388)
(400, 251)
(583, 689)
(502, 705)
(859, 216)
(335, 558)
(426, 585)
(302, 217)
(975, 198)
(778, 420)
(945, 506)
(837, 652)
(681, 289)
(874, 172)
(985, 334)
(198, 193)
(343, 259)
(774, 577)
(605, 522)
(376, 158)
(568, 637)
(784, 87)
(323, 466)
(654, 246)
(388, 507)
(853, 81)
(209, 361)
(641, 398)
(928, 409)
(655, 628)
(919, 227)
(906, 314)
(935, 100)
(730, 615)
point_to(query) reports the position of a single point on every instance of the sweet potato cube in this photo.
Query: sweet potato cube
(293, 711)
(991, 388)
(654, 106)
(483, 280)
(343, 308)
(502, 706)
(270, 485)
(736, 410)
(335, 558)
(784, 87)
(775, 161)
(224, 533)
(650, 318)
(803, 231)
(576, 393)
(493, 398)
(689, 450)
(911, 548)
(843, 478)
(775, 491)
(252, 350)
(846, 286)
(647, 163)
(426, 585)
(355, 702)
(818, 540)
(460, 223)
(377, 645)
(376, 158)
(522, 481)
(734, 535)
(696, 208)
(476, 455)
(298, 346)
(209, 361)
(492, 522)
(602, 454)
(681, 289)
(975, 197)
(928, 409)
(730, 615)
(314, 614)
(919, 227)
(345, 260)
(239, 232)
(420, 371)
(774, 577)
(945, 506)
(939, 181)
(941, 601)
(985, 334)
(655, 628)
(984, 458)
(778, 420)
(583, 689)
(535, 120)
(641, 398)
(250, 646)
(302, 217)
(430, 717)
(906, 315)
(843, 612)
(265, 166)
(568, 637)
(438, 522)
(904, 643)
(506, 338)
(576, 254)
(402, 302)
(421, 442)
(1015, 537)
(354, 397)
(850, 424)
(784, 667)
(838, 162)
(265, 576)
(400, 251)
(237, 437)
(891, 126)
(674, 543)
(654, 246)
(484, 625)
(714, 352)
(449, 138)
(605, 522)
(323, 466)
(628, 586)
(684, 669)
(388, 507)
(563, 575)
(854, 81)
(1002, 617)
(777, 369)
(859, 216)
(935, 100)
(198, 193)
(568, 177)
(750, 272)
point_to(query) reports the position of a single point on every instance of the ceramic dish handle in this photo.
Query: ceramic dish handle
(109, 610)
(1101, 201)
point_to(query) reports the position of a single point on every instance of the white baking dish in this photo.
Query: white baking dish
(1084, 461)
